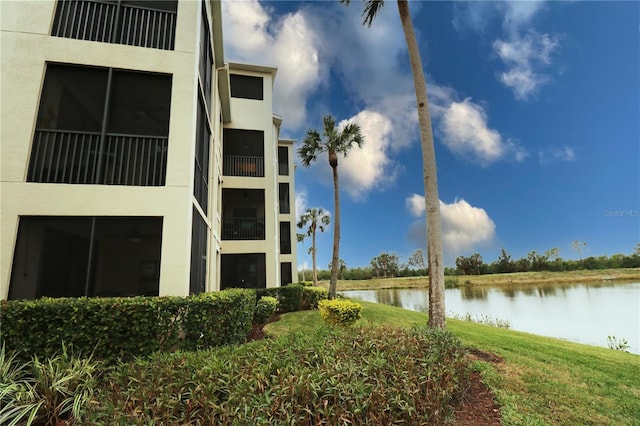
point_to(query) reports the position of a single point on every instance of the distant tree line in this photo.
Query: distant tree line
(388, 265)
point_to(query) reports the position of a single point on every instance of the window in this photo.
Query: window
(206, 56)
(283, 199)
(199, 250)
(285, 237)
(142, 23)
(86, 256)
(283, 161)
(246, 87)
(80, 140)
(286, 276)
(201, 175)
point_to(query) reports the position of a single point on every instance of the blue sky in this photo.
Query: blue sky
(535, 108)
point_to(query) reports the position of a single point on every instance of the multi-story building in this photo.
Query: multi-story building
(135, 161)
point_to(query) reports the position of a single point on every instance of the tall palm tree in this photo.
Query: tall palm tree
(333, 141)
(316, 219)
(432, 200)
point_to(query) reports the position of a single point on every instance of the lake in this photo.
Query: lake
(583, 313)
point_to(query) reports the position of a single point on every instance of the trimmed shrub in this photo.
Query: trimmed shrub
(312, 295)
(359, 375)
(123, 328)
(290, 298)
(265, 308)
(340, 312)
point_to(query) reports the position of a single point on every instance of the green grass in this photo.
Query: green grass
(542, 381)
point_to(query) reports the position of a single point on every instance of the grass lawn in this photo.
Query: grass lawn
(495, 279)
(541, 380)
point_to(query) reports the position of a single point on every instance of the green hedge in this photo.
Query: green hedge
(312, 295)
(265, 308)
(289, 297)
(123, 328)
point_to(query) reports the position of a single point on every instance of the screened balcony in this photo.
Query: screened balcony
(243, 153)
(101, 126)
(149, 23)
(243, 271)
(243, 214)
(86, 256)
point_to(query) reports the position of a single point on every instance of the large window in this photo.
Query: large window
(246, 87)
(283, 198)
(283, 161)
(243, 271)
(101, 126)
(198, 254)
(206, 56)
(285, 237)
(201, 175)
(86, 256)
(286, 276)
(146, 23)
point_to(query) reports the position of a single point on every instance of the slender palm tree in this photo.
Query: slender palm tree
(432, 200)
(333, 141)
(316, 220)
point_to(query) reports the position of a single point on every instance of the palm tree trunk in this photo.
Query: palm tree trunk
(313, 257)
(333, 283)
(432, 200)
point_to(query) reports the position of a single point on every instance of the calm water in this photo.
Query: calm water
(583, 313)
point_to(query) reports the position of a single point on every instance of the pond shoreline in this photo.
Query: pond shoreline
(517, 278)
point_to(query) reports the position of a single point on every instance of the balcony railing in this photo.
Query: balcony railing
(110, 22)
(242, 228)
(78, 158)
(239, 165)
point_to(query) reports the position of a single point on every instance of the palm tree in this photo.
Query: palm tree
(432, 200)
(316, 219)
(333, 141)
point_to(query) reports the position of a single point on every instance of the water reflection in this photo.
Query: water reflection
(584, 313)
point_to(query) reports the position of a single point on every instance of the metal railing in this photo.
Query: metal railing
(111, 22)
(240, 165)
(242, 228)
(80, 158)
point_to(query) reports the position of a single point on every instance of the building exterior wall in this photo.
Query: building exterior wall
(27, 47)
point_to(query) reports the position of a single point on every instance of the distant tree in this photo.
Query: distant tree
(504, 263)
(469, 265)
(342, 268)
(538, 261)
(386, 264)
(417, 261)
(579, 246)
(334, 142)
(313, 220)
(636, 250)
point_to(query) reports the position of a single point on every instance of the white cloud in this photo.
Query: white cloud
(523, 51)
(301, 202)
(416, 205)
(369, 167)
(464, 128)
(252, 35)
(564, 153)
(522, 58)
(464, 227)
